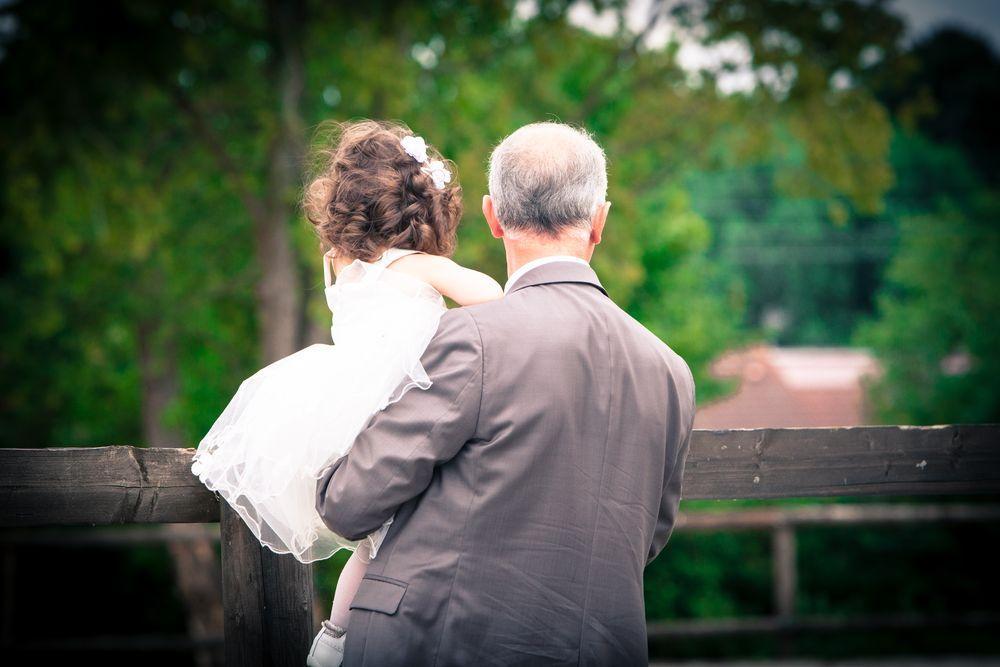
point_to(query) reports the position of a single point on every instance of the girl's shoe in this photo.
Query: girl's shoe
(328, 647)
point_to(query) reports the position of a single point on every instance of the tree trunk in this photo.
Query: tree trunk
(195, 563)
(277, 289)
(278, 293)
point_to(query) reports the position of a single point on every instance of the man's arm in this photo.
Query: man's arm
(393, 458)
(671, 498)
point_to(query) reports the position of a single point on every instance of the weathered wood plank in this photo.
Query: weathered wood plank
(124, 484)
(288, 603)
(834, 514)
(241, 591)
(784, 570)
(863, 460)
(268, 599)
(109, 537)
(102, 485)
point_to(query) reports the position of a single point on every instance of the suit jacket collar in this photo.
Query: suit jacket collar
(558, 272)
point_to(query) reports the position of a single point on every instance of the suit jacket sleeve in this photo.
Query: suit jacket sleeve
(393, 458)
(673, 476)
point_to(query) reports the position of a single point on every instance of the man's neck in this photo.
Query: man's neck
(522, 251)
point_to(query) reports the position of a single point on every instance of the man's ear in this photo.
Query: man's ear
(491, 217)
(597, 222)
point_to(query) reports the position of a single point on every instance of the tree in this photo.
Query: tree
(934, 326)
(945, 87)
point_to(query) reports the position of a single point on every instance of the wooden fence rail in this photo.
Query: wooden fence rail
(268, 597)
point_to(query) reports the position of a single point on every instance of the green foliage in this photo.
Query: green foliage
(935, 327)
(711, 575)
(935, 306)
(682, 295)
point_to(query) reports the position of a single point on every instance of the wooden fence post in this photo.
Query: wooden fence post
(785, 574)
(268, 599)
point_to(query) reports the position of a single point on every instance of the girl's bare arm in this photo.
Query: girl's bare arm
(463, 285)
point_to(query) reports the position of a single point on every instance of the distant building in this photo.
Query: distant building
(791, 386)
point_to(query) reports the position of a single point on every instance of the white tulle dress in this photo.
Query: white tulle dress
(294, 417)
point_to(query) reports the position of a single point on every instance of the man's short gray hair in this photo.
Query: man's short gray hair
(547, 178)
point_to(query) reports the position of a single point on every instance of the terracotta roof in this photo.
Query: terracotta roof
(790, 386)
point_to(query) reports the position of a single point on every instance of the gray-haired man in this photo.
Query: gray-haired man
(541, 472)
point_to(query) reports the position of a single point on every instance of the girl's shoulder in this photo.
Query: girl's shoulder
(424, 266)
(463, 285)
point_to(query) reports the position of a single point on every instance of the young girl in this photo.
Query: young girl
(387, 208)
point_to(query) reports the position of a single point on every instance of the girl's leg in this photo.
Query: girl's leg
(350, 579)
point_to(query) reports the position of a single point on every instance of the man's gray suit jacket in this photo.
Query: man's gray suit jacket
(531, 485)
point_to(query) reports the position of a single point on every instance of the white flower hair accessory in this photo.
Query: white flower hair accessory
(438, 173)
(417, 149)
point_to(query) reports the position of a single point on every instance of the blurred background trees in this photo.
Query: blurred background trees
(152, 155)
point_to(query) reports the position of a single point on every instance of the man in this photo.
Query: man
(541, 472)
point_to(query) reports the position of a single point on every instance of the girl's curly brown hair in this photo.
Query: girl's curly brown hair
(367, 194)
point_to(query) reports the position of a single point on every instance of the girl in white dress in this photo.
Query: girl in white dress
(388, 213)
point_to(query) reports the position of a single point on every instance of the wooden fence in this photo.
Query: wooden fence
(782, 522)
(268, 598)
